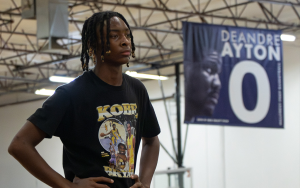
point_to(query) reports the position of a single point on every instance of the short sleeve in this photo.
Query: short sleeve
(49, 117)
(150, 124)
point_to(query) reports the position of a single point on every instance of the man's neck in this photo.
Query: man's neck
(109, 74)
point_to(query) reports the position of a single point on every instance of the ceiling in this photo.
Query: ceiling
(156, 26)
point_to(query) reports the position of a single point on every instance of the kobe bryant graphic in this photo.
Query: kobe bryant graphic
(118, 140)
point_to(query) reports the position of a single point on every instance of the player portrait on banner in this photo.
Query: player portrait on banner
(233, 75)
(203, 84)
(202, 68)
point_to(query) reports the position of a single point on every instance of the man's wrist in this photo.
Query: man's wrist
(68, 184)
(145, 185)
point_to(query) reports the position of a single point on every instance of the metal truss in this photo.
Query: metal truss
(156, 24)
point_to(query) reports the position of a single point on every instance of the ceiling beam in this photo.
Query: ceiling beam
(287, 3)
(283, 24)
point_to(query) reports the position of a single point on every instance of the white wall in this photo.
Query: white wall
(12, 174)
(221, 157)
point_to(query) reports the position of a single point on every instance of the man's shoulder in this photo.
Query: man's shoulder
(77, 84)
(134, 82)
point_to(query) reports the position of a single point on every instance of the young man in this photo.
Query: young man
(77, 110)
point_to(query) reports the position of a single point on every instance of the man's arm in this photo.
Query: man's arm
(133, 142)
(23, 149)
(119, 134)
(149, 157)
(105, 134)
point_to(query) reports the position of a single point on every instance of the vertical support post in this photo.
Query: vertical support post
(179, 153)
(177, 80)
(167, 113)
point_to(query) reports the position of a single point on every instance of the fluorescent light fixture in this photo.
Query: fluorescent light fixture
(61, 79)
(285, 37)
(148, 76)
(47, 92)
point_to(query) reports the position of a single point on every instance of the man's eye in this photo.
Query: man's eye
(208, 70)
(114, 36)
(128, 36)
(211, 68)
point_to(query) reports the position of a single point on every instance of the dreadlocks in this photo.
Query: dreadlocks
(89, 37)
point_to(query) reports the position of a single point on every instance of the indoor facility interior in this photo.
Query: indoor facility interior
(40, 39)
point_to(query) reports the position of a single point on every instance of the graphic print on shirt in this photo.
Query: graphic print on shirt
(117, 136)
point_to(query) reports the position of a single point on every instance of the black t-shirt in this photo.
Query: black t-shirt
(93, 120)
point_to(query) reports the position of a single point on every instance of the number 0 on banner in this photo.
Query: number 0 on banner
(236, 94)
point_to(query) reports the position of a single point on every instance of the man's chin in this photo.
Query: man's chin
(208, 110)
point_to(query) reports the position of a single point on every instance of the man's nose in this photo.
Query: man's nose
(216, 83)
(125, 41)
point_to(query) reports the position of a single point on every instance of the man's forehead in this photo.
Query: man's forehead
(213, 56)
(117, 22)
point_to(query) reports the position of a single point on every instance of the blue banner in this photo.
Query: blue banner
(233, 75)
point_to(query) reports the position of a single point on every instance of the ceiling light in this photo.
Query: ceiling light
(148, 76)
(47, 92)
(285, 37)
(61, 79)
